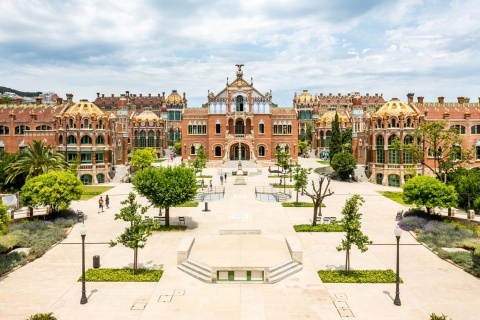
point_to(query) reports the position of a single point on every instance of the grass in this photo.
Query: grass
(325, 227)
(394, 195)
(172, 227)
(89, 192)
(358, 276)
(299, 204)
(159, 160)
(188, 204)
(207, 177)
(324, 162)
(122, 275)
(280, 186)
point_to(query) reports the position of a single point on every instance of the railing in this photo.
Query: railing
(278, 195)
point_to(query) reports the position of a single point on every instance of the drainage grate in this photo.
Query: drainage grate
(165, 298)
(341, 296)
(345, 313)
(139, 304)
(179, 292)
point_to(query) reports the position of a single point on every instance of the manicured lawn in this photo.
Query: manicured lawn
(358, 276)
(92, 191)
(299, 204)
(207, 177)
(159, 160)
(394, 195)
(172, 227)
(324, 227)
(188, 204)
(122, 275)
(323, 162)
(280, 186)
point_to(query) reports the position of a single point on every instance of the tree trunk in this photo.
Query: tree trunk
(135, 256)
(347, 260)
(167, 217)
(297, 197)
(315, 209)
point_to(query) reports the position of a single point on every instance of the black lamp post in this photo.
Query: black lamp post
(83, 233)
(398, 233)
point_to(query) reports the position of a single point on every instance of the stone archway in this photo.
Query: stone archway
(244, 151)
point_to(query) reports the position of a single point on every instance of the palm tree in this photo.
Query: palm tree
(36, 160)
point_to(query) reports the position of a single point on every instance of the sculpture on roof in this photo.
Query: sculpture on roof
(239, 72)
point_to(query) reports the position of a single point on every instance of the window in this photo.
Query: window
(4, 130)
(197, 129)
(380, 146)
(99, 157)
(308, 115)
(151, 139)
(394, 180)
(328, 138)
(143, 139)
(239, 103)
(239, 127)
(158, 139)
(475, 129)
(71, 140)
(86, 140)
(192, 150)
(285, 129)
(322, 141)
(86, 157)
(455, 153)
(135, 139)
(407, 157)
(100, 140)
(460, 128)
(409, 123)
(71, 156)
(218, 151)
(60, 140)
(108, 107)
(71, 124)
(217, 128)
(301, 115)
(393, 154)
(394, 123)
(156, 107)
(261, 128)
(21, 129)
(379, 123)
(261, 151)
(43, 128)
(379, 178)
(174, 115)
(477, 153)
(85, 124)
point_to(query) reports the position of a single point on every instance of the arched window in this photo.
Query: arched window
(86, 140)
(135, 139)
(409, 123)
(143, 139)
(394, 180)
(379, 178)
(328, 138)
(21, 129)
(379, 123)
(475, 129)
(380, 145)
(261, 151)
(70, 123)
(4, 130)
(393, 154)
(100, 140)
(287, 149)
(302, 134)
(239, 103)
(192, 149)
(157, 144)
(72, 140)
(460, 128)
(85, 124)
(60, 140)
(239, 127)
(322, 141)
(407, 157)
(218, 151)
(150, 139)
(44, 127)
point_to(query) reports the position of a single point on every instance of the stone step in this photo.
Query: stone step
(283, 269)
(280, 265)
(285, 274)
(199, 276)
(199, 266)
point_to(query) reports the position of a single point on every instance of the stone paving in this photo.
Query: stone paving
(49, 284)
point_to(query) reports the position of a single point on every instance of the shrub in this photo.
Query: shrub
(412, 223)
(188, 204)
(299, 204)
(63, 223)
(438, 234)
(335, 226)
(433, 316)
(8, 242)
(358, 276)
(122, 275)
(10, 261)
(158, 227)
(42, 316)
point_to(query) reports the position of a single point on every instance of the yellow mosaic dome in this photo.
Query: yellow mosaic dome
(147, 116)
(305, 97)
(394, 108)
(84, 108)
(174, 97)
(329, 116)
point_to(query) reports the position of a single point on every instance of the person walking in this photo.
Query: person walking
(211, 185)
(225, 177)
(221, 180)
(100, 204)
(107, 201)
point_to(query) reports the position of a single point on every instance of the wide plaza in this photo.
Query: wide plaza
(430, 284)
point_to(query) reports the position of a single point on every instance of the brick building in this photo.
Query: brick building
(239, 122)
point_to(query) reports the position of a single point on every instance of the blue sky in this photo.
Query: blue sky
(430, 48)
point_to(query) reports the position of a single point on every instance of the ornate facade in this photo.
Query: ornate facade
(239, 122)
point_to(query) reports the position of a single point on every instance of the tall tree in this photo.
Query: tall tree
(467, 185)
(336, 141)
(300, 178)
(443, 145)
(318, 195)
(143, 157)
(352, 225)
(347, 140)
(302, 145)
(200, 161)
(166, 187)
(54, 189)
(308, 132)
(135, 236)
(282, 158)
(344, 163)
(429, 192)
(5, 160)
(37, 159)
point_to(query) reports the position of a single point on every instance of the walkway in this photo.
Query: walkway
(430, 284)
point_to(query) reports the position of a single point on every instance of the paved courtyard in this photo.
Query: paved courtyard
(49, 284)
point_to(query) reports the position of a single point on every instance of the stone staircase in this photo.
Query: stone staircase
(120, 172)
(283, 270)
(196, 270)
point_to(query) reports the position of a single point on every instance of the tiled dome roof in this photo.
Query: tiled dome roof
(305, 97)
(394, 107)
(174, 97)
(84, 108)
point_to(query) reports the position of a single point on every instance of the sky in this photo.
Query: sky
(429, 48)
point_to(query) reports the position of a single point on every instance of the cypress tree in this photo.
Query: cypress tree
(336, 141)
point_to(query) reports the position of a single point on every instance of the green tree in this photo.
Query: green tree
(200, 161)
(302, 145)
(353, 233)
(308, 132)
(300, 178)
(166, 187)
(336, 140)
(54, 189)
(344, 163)
(319, 193)
(347, 140)
(36, 160)
(467, 185)
(178, 147)
(135, 236)
(5, 160)
(282, 158)
(429, 192)
(440, 144)
(143, 157)
(4, 217)
(5, 100)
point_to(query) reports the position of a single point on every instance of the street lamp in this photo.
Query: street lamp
(83, 233)
(398, 233)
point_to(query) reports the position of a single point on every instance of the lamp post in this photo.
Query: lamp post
(398, 233)
(83, 233)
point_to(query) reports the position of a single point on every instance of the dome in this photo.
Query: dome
(394, 108)
(147, 116)
(305, 97)
(84, 108)
(330, 116)
(174, 97)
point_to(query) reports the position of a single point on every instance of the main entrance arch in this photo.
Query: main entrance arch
(244, 151)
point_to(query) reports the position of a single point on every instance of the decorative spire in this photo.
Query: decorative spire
(239, 71)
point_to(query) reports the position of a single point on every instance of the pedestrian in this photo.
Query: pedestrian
(203, 183)
(100, 204)
(221, 180)
(225, 177)
(107, 201)
(211, 185)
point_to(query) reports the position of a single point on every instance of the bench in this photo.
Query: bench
(80, 216)
(326, 219)
(318, 219)
(333, 219)
(158, 218)
(181, 219)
